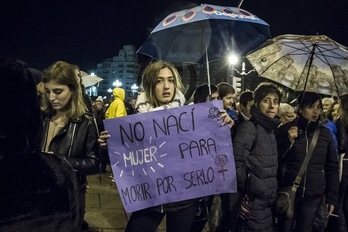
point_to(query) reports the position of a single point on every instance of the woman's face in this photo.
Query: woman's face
(269, 105)
(228, 101)
(58, 95)
(165, 88)
(335, 111)
(287, 117)
(312, 112)
(214, 97)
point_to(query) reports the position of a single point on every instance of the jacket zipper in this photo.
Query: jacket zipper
(72, 140)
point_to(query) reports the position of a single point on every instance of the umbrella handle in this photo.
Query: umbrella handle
(309, 66)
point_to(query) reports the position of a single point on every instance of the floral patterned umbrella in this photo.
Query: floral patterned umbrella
(205, 33)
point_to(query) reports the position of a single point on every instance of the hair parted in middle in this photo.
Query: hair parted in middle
(149, 79)
(65, 74)
(263, 89)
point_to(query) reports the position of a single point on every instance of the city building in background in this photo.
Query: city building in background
(123, 71)
(119, 71)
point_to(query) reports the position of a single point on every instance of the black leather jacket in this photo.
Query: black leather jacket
(77, 142)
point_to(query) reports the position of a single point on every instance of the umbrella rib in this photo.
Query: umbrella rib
(334, 82)
(281, 57)
(323, 57)
(307, 49)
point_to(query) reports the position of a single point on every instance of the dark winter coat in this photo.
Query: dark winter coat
(39, 192)
(78, 142)
(255, 152)
(321, 176)
(342, 141)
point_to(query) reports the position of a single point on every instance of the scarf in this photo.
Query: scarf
(143, 105)
(260, 118)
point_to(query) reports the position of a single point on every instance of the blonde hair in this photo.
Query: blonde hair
(285, 108)
(64, 73)
(149, 79)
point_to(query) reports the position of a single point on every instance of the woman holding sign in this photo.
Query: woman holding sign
(162, 84)
(256, 157)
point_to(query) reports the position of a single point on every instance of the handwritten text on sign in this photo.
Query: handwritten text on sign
(171, 155)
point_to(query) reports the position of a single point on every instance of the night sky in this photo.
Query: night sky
(87, 32)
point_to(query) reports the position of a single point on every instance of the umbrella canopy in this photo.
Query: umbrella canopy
(89, 80)
(312, 63)
(205, 33)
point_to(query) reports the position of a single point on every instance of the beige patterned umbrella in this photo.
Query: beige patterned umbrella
(312, 63)
(89, 80)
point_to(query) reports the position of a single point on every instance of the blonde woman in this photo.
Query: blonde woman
(286, 113)
(67, 130)
(162, 89)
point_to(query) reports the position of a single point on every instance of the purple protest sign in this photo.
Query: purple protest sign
(171, 155)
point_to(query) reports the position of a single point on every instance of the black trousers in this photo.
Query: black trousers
(340, 223)
(305, 212)
(148, 220)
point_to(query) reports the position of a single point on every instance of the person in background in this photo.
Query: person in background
(68, 130)
(329, 121)
(327, 103)
(39, 191)
(227, 95)
(246, 101)
(117, 107)
(212, 203)
(255, 153)
(342, 140)
(99, 114)
(321, 177)
(130, 109)
(201, 93)
(334, 111)
(230, 201)
(286, 113)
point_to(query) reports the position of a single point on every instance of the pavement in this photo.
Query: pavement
(104, 209)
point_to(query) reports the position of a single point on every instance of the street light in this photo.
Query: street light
(237, 82)
(134, 88)
(233, 59)
(117, 83)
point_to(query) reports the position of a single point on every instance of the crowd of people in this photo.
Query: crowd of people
(53, 135)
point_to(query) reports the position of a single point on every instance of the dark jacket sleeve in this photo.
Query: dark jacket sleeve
(283, 139)
(341, 137)
(332, 173)
(88, 163)
(242, 145)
